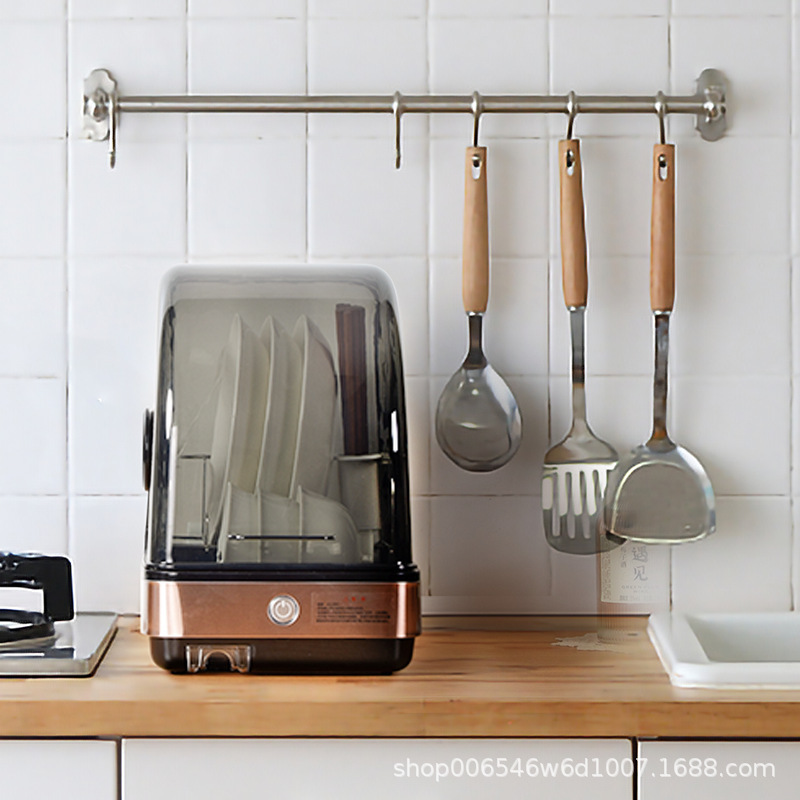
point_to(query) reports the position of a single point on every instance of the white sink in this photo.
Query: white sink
(746, 651)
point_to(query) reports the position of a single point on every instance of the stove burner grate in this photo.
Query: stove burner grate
(22, 626)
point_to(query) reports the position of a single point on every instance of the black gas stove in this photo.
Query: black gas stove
(53, 642)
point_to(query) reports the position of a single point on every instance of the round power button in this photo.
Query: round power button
(283, 609)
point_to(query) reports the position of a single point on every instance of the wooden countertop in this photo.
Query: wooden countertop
(460, 683)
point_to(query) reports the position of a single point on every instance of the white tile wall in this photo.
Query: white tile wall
(117, 44)
(591, 55)
(247, 198)
(33, 201)
(82, 250)
(266, 56)
(41, 49)
(506, 54)
(109, 382)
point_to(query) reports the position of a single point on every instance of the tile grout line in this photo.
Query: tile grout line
(66, 352)
(429, 433)
(793, 167)
(549, 230)
(186, 145)
(307, 226)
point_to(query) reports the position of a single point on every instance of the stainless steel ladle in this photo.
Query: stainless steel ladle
(478, 424)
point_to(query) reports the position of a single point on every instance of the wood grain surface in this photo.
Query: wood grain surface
(516, 682)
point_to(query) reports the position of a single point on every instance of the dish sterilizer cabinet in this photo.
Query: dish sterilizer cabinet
(278, 528)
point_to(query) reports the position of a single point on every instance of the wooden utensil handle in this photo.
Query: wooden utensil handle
(573, 228)
(475, 254)
(662, 232)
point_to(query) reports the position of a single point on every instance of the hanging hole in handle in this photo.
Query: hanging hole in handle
(570, 162)
(477, 166)
(663, 168)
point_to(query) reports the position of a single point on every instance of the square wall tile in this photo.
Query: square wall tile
(249, 9)
(360, 205)
(42, 9)
(358, 9)
(516, 335)
(39, 51)
(33, 525)
(418, 420)
(263, 56)
(611, 8)
(247, 198)
(118, 45)
(517, 176)
(795, 64)
(113, 368)
(478, 8)
(732, 316)
(745, 566)
(505, 55)
(383, 55)
(586, 62)
(618, 322)
(484, 556)
(126, 9)
(795, 556)
(714, 214)
(106, 542)
(619, 409)
(795, 200)
(795, 312)
(138, 208)
(522, 475)
(515, 326)
(795, 439)
(33, 318)
(760, 87)
(739, 428)
(731, 8)
(33, 430)
(32, 207)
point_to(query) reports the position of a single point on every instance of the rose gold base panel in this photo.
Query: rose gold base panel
(229, 609)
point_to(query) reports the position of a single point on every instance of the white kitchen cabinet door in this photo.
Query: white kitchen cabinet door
(365, 769)
(732, 770)
(67, 769)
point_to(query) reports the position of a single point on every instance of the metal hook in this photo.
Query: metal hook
(113, 119)
(477, 110)
(572, 111)
(661, 110)
(397, 113)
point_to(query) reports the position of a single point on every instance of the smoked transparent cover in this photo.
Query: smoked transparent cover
(279, 430)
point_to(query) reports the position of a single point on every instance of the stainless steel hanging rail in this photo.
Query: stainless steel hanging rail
(102, 105)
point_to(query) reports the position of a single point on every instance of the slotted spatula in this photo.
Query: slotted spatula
(575, 469)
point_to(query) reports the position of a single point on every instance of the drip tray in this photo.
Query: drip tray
(74, 651)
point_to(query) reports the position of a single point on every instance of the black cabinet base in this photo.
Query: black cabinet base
(288, 656)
